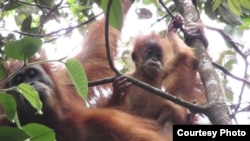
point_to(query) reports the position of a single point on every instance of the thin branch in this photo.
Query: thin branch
(67, 29)
(246, 109)
(107, 38)
(171, 14)
(102, 81)
(165, 7)
(36, 5)
(234, 45)
(168, 96)
(224, 70)
(228, 38)
(26, 65)
(242, 88)
(162, 18)
(50, 12)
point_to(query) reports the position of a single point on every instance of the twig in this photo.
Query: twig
(160, 19)
(228, 38)
(100, 82)
(234, 45)
(246, 109)
(168, 96)
(165, 7)
(68, 29)
(243, 87)
(107, 38)
(224, 70)
(26, 65)
(172, 16)
(50, 12)
(36, 5)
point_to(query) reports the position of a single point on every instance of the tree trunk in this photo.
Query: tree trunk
(218, 111)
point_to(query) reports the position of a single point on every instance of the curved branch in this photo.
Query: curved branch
(107, 38)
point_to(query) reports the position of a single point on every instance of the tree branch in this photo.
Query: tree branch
(102, 81)
(168, 96)
(224, 70)
(107, 38)
(218, 110)
(55, 33)
(227, 38)
(10, 76)
(234, 45)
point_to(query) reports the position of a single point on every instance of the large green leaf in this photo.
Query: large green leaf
(78, 77)
(227, 16)
(31, 95)
(116, 16)
(9, 105)
(245, 4)
(234, 6)
(38, 132)
(12, 134)
(23, 49)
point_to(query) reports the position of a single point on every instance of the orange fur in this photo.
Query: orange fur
(94, 59)
(182, 78)
(64, 110)
(177, 76)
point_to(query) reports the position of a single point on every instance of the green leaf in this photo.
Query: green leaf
(234, 6)
(78, 77)
(116, 16)
(11, 5)
(246, 24)
(229, 64)
(47, 3)
(216, 4)
(26, 25)
(229, 94)
(245, 4)
(38, 132)
(147, 2)
(9, 105)
(31, 95)
(2, 70)
(23, 49)
(227, 16)
(208, 10)
(12, 134)
(33, 30)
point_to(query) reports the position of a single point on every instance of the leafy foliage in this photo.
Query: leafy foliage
(31, 95)
(9, 105)
(78, 77)
(116, 17)
(39, 132)
(12, 134)
(23, 49)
